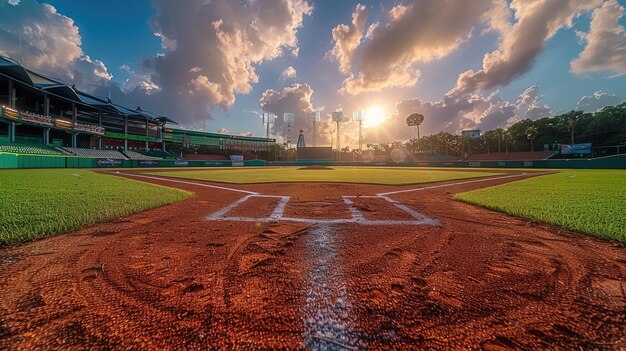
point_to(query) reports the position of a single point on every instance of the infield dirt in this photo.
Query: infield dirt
(169, 279)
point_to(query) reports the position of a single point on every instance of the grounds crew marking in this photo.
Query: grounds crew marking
(357, 216)
(189, 183)
(453, 184)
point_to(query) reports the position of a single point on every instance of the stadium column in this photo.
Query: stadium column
(147, 134)
(74, 113)
(100, 125)
(46, 112)
(125, 133)
(11, 94)
(12, 132)
(11, 105)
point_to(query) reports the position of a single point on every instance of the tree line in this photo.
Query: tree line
(606, 127)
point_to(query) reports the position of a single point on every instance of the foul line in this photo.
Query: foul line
(191, 183)
(453, 184)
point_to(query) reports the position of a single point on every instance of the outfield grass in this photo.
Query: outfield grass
(590, 201)
(366, 175)
(39, 203)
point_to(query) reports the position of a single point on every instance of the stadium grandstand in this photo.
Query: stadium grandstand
(43, 115)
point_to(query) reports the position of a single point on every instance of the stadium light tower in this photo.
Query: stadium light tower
(360, 117)
(314, 117)
(414, 120)
(337, 116)
(289, 118)
(268, 118)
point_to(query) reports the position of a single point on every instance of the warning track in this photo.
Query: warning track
(195, 275)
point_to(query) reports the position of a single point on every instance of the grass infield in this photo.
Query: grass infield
(40, 203)
(589, 201)
(364, 175)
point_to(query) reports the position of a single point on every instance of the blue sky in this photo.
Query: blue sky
(118, 33)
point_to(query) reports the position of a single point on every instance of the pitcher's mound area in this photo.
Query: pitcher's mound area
(316, 167)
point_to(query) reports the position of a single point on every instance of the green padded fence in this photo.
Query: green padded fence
(9, 160)
(609, 162)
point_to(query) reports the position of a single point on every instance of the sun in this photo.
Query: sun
(375, 116)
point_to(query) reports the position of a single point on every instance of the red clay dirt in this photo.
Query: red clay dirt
(168, 279)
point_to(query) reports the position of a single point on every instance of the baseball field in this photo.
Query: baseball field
(335, 258)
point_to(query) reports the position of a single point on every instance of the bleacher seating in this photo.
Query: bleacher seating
(95, 153)
(133, 155)
(29, 149)
(513, 156)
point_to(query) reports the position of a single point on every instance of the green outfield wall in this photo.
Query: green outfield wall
(9, 160)
(609, 162)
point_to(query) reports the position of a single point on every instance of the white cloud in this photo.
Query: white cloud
(294, 99)
(288, 73)
(456, 113)
(389, 55)
(347, 38)
(223, 131)
(140, 81)
(51, 44)
(536, 21)
(597, 101)
(606, 42)
(211, 49)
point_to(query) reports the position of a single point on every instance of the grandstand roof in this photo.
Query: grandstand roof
(15, 71)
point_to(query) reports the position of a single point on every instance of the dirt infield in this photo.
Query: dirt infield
(336, 267)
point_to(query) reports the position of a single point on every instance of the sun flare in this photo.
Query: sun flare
(374, 117)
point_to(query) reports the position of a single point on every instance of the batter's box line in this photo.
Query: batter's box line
(357, 217)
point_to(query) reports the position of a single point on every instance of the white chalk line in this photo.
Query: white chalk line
(326, 311)
(191, 183)
(356, 215)
(453, 184)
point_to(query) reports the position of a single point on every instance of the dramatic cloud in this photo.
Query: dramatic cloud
(456, 113)
(606, 42)
(535, 22)
(597, 101)
(347, 38)
(212, 47)
(138, 81)
(50, 43)
(293, 99)
(388, 55)
(527, 104)
(288, 73)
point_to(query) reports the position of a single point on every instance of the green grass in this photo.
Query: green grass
(40, 203)
(589, 201)
(367, 175)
